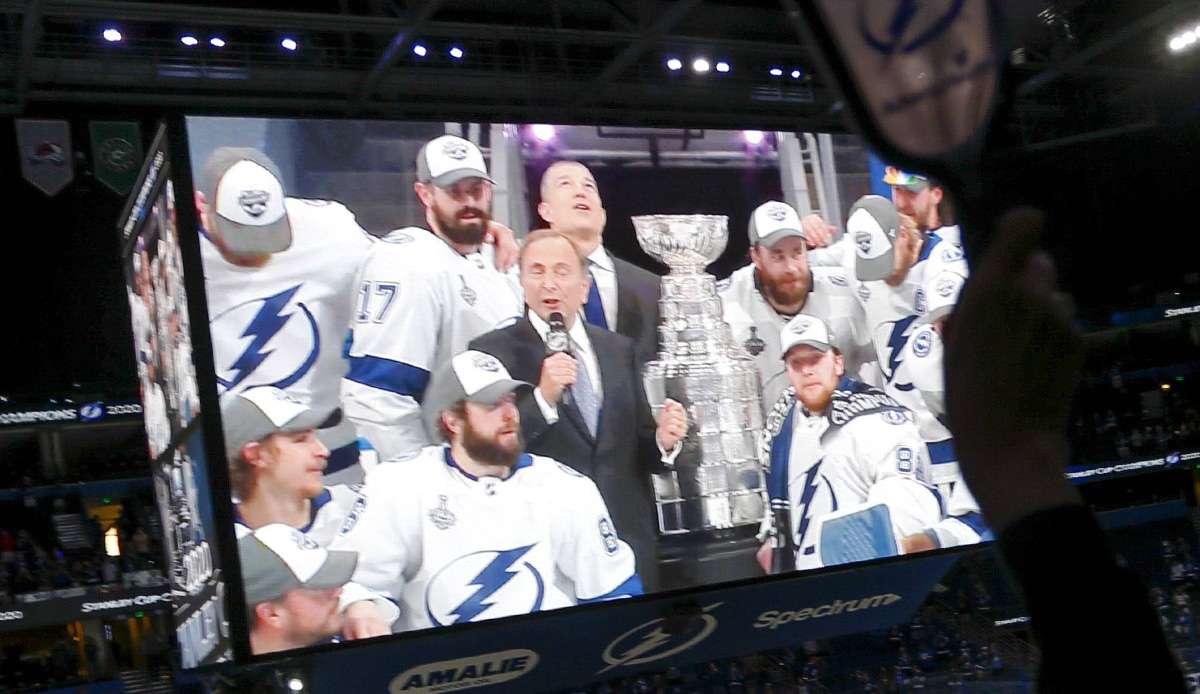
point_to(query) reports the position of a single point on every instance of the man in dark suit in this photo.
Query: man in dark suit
(623, 297)
(588, 409)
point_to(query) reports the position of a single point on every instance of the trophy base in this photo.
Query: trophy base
(707, 557)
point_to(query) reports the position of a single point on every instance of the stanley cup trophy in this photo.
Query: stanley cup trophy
(710, 502)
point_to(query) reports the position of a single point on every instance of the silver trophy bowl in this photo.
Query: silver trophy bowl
(686, 243)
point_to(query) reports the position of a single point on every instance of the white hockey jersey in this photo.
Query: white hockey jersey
(865, 450)
(285, 324)
(892, 312)
(756, 326)
(419, 303)
(454, 548)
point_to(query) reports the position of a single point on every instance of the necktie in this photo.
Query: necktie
(586, 399)
(593, 310)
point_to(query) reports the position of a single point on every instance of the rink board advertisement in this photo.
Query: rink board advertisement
(292, 217)
(169, 392)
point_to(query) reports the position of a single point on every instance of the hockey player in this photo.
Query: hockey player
(758, 300)
(280, 279)
(276, 463)
(921, 366)
(478, 529)
(835, 445)
(423, 295)
(293, 587)
(892, 260)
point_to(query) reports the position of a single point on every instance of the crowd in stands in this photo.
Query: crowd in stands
(23, 472)
(33, 558)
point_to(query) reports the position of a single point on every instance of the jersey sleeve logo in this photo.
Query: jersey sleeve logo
(442, 517)
(608, 537)
(905, 461)
(894, 417)
(919, 303)
(922, 343)
(952, 254)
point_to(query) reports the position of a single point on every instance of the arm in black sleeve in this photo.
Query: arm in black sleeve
(1092, 619)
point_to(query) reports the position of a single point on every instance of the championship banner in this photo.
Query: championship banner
(70, 414)
(46, 156)
(116, 153)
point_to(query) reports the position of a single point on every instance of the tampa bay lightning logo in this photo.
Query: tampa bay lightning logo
(268, 341)
(1172, 459)
(91, 412)
(485, 585)
(913, 24)
(922, 343)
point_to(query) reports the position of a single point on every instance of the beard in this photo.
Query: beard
(815, 401)
(780, 293)
(458, 230)
(489, 452)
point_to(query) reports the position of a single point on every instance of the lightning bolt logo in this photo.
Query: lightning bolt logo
(654, 644)
(497, 574)
(262, 328)
(895, 344)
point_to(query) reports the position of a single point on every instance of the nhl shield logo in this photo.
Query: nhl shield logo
(455, 150)
(777, 213)
(254, 202)
(863, 240)
(442, 517)
(754, 344)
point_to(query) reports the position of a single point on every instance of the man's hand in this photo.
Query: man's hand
(505, 240)
(917, 542)
(1012, 360)
(558, 374)
(764, 554)
(363, 621)
(672, 424)
(817, 232)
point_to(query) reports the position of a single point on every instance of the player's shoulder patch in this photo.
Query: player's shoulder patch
(952, 253)
(923, 342)
(894, 417)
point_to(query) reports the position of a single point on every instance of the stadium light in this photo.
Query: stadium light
(295, 684)
(289, 44)
(189, 40)
(112, 35)
(701, 65)
(797, 74)
(216, 42)
(776, 72)
(1184, 39)
(420, 50)
(674, 64)
(723, 66)
(753, 137)
(457, 52)
(543, 132)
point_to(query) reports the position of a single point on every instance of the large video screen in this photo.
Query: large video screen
(169, 391)
(470, 371)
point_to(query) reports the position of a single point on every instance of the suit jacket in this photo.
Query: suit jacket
(638, 292)
(619, 463)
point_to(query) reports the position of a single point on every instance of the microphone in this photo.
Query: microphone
(557, 339)
(558, 342)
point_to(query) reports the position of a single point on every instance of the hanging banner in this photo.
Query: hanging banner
(46, 156)
(116, 153)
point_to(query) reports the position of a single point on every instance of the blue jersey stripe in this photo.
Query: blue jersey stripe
(975, 522)
(941, 452)
(630, 587)
(392, 376)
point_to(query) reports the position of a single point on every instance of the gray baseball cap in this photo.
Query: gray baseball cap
(773, 221)
(256, 413)
(277, 559)
(244, 190)
(806, 330)
(473, 375)
(872, 227)
(445, 160)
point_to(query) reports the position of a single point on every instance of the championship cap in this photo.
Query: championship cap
(472, 375)
(245, 194)
(872, 225)
(277, 559)
(772, 221)
(806, 330)
(912, 182)
(444, 160)
(940, 294)
(256, 413)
